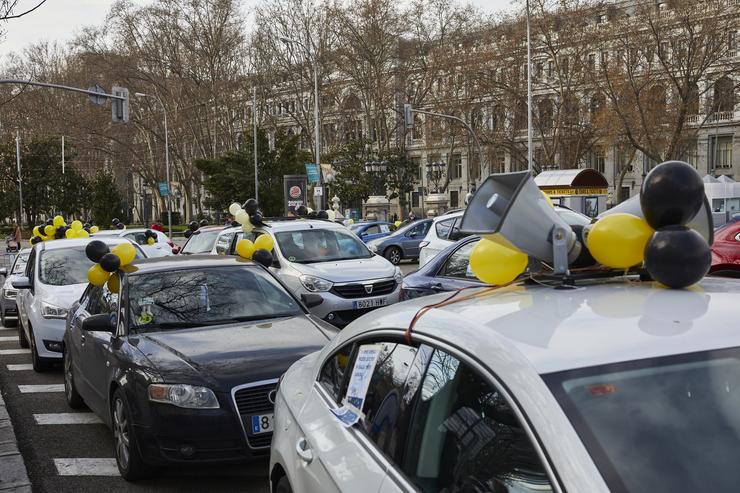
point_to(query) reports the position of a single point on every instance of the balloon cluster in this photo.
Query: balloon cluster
(117, 223)
(248, 215)
(108, 262)
(57, 228)
(673, 254)
(259, 251)
(151, 237)
(305, 212)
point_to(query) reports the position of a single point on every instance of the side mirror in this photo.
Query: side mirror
(102, 322)
(22, 283)
(311, 300)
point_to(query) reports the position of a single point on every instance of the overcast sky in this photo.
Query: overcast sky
(61, 19)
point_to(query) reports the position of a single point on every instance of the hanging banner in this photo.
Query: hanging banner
(312, 171)
(294, 192)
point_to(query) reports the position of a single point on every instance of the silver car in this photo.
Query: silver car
(327, 259)
(613, 385)
(8, 308)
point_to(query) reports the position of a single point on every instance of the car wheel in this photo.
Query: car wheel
(7, 323)
(39, 364)
(393, 254)
(22, 341)
(128, 458)
(74, 400)
(283, 485)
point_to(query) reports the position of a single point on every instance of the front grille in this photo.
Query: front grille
(358, 290)
(255, 400)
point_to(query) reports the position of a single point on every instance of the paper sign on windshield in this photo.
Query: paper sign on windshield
(347, 415)
(362, 372)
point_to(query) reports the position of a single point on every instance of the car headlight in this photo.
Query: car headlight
(10, 294)
(183, 395)
(51, 311)
(398, 275)
(316, 284)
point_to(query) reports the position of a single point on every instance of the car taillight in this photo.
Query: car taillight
(423, 244)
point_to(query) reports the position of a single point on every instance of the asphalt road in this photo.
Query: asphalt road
(43, 445)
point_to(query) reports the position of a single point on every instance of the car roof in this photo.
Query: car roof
(597, 322)
(179, 262)
(449, 215)
(74, 242)
(300, 224)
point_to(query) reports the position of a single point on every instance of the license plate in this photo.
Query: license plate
(262, 424)
(370, 303)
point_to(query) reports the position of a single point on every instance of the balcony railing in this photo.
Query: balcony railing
(713, 119)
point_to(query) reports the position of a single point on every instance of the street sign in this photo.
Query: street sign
(164, 190)
(312, 172)
(97, 100)
(318, 191)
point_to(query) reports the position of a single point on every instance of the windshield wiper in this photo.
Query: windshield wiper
(250, 318)
(170, 325)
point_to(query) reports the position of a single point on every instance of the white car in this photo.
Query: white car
(614, 385)
(214, 240)
(163, 246)
(327, 259)
(8, 308)
(55, 277)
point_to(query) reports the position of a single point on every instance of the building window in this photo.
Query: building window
(732, 40)
(455, 166)
(723, 153)
(592, 61)
(416, 167)
(691, 155)
(454, 199)
(414, 199)
(417, 131)
(597, 159)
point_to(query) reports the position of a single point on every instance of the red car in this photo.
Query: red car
(726, 248)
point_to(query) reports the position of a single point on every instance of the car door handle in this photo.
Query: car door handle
(303, 450)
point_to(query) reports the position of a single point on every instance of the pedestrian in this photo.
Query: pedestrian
(17, 234)
(412, 216)
(470, 194)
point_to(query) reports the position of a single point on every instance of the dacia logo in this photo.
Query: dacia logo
(368, 288)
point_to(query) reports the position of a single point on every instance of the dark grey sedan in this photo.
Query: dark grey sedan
(403, 243)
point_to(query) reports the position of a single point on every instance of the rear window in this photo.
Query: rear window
(661, 424)
(201, 242)
(443, 227)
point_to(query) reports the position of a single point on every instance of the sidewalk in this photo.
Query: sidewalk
(13, 476)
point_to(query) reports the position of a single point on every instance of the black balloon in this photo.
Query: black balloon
(149, 234)
(677, 256)
(584, 258)
(50, 222)
(35, 239)
(256, 219)
(95, 250)
(120, 225)
(188, 233)
(234, 224)
(115, 221)
(193, 225)
(203, 222)
(110, 262)
(322, 215)
(87, 226)
(262, 257)
(672, 194)
(312, 215)
(251, 206)
(301, 210)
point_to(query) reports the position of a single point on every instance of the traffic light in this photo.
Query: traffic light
(408, 116)
(120, 107)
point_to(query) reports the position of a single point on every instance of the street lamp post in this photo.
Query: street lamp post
(166, 161)
(376, 169)
(529, 93)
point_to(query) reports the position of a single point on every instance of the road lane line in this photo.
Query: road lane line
(9, 339)
(35, 389)
(23, 367)
(14, 351)
(66, 419)
(86, 467)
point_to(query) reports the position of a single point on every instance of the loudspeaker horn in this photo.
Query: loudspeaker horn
(512, 205)
(702, 222)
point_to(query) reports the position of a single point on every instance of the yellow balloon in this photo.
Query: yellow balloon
(125, 251)
(351, 221)
(397, 224)
(494, 263)
(97, 276)
(264, 242)
(49, 230)
(547, 197)
(150, 241)
(70, 233)
(58, 221)
(245, 248)
(76, 225)
(81, 234)
(114, 284)
(618, 240)
(94, 229)
(37, 232)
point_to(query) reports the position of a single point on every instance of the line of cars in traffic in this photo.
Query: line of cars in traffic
(206, 357)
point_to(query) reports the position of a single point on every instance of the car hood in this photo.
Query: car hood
(222, 357)
(61, 296)
(375, 267)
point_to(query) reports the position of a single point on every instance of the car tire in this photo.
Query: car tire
(74, 400)
(40, 364)
(283, 485)
(8, 323)
(393, 255)
(22, 341)
(125, 447)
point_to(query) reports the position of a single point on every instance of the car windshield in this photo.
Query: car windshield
(321, 245)
(20, 264)
(210, 296)
(201, 242)
(65, 266)
(659, 425)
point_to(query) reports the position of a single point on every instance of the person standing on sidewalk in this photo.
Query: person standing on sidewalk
(17, 234)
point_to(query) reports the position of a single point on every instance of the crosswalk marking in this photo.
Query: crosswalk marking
(35, 389)
(66, 419)
(22, 367)
(14, 351)
(8, 339)
(86, 467)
